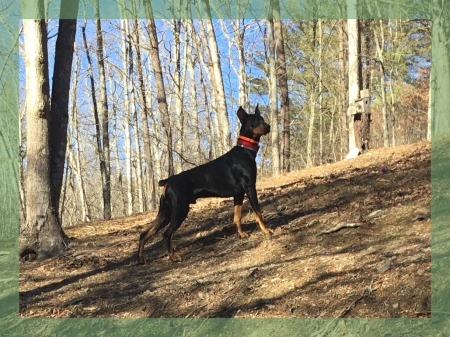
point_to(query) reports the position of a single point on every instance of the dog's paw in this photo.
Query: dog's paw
(242, 234)
(175, 257)
(141, 260)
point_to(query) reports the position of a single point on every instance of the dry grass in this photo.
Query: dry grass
(379, 268)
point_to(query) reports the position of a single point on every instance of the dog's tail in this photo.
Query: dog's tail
(163, 184)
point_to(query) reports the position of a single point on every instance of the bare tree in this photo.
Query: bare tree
(160, 91)
(85, 214)
(283, 87)
(217, 83)
(273, 99)
(379, 42)
(64, 49)
(353, 72)
(320, 88)
(190, 64)
(105, 163)
(148, 158)
(41, 234)
(127, 120)
(343, 87)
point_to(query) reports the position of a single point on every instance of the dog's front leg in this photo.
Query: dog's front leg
(251, 194)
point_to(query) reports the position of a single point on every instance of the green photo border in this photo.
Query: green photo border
(11, 12)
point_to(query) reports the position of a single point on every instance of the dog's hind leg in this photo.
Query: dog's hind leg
(179, 213)
(162, 220)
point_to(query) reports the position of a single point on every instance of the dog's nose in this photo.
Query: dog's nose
(267, 128)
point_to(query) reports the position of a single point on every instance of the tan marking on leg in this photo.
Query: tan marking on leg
(237, 220)
(143, 241)
(261, 224)
(174, 257)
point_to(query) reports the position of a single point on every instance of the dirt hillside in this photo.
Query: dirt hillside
(351, 239)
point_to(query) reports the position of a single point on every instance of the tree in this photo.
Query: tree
(379, 42)
(41, 234)
(127, 120)
(273, 99)
(217, 83)
(283, 88)
(148, 158)
(353, 72)
(343, 87)
(64, 50)
(160, 91)
(105, 158)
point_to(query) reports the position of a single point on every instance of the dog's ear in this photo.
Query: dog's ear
(257, 112)
(241, 114)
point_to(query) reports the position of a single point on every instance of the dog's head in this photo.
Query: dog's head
(253, 126)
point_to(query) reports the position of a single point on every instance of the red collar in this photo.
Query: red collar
(248, 143)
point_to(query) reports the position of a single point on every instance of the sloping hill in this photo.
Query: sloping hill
(350, 241)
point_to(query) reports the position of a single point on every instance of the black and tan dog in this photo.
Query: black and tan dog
(231, 175)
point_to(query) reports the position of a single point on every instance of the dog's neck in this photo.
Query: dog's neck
(248, 143)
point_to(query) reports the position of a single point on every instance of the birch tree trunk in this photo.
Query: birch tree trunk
(41, 234)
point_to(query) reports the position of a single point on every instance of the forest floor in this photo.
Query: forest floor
(376, 265)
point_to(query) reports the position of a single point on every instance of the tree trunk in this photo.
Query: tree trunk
(343, 85)
(105, 163)
(217, 83)
(74, 123)
(148, 158)
(239, 33)
(319, 27)
(284, 93)
(213, 136)
(138, 163)
(41, 234)
(312, 117)
(429, 115)
(160, 91)
(276, 169)
(178, 92)
(62, 70)
(353, 75)
(127, 119)
(193, 90)
(379, 45)
(98, 138)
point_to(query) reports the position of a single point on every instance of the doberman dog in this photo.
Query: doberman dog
(231, 175)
